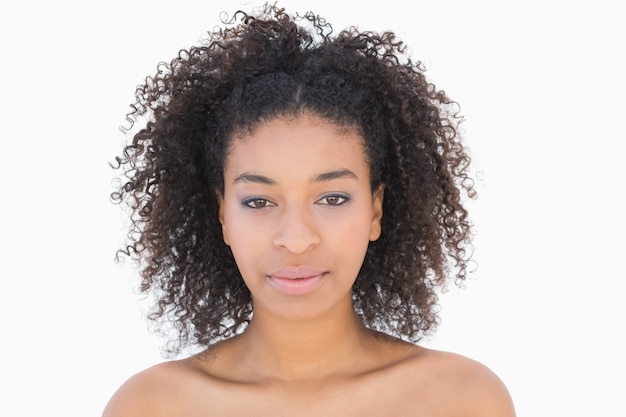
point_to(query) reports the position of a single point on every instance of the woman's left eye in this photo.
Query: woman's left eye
(333, 200)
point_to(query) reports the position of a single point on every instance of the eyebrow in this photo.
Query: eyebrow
(259, 179)
(333, 175)
(324, 177)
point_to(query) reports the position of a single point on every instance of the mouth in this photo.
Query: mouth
(296, 280)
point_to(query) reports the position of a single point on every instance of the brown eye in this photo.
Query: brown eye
(257, 203)
(333, 200)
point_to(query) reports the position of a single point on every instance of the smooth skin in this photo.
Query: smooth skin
(297, 196)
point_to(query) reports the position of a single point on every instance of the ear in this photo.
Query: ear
(220, 202)
(377, 212)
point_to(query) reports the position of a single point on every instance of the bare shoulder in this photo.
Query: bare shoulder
(149, 393)
(461, 385)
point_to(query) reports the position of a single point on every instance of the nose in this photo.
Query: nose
(296, 231)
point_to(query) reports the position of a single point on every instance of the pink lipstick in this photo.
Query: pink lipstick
(296, 280)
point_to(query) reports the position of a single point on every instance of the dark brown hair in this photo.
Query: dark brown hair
(270, 64)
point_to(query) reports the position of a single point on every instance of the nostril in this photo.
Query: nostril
(296, 234)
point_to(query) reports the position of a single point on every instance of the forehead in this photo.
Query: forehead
(297, 143)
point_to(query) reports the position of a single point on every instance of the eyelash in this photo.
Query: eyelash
(343, 199)
(252, 202)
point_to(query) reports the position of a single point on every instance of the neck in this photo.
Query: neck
(298, 350)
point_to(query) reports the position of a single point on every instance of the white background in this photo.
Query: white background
(541, 84)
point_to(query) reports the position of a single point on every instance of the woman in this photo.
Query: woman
(296, 202)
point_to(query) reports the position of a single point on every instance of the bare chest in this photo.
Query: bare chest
(362, 399)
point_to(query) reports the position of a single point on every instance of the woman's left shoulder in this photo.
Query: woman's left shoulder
(458, 382)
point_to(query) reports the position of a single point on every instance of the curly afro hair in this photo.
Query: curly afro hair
(268, 65)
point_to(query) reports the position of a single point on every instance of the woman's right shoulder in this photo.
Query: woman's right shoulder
(151, 392)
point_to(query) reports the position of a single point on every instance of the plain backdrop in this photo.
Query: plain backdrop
(541, 86)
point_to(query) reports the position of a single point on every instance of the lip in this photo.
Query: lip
(296, 280)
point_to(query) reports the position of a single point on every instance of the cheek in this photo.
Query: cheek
(350, 242)
(245, 238)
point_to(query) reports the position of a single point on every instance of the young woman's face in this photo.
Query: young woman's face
(298, 213)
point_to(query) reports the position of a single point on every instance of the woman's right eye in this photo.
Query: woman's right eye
(257, 203)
